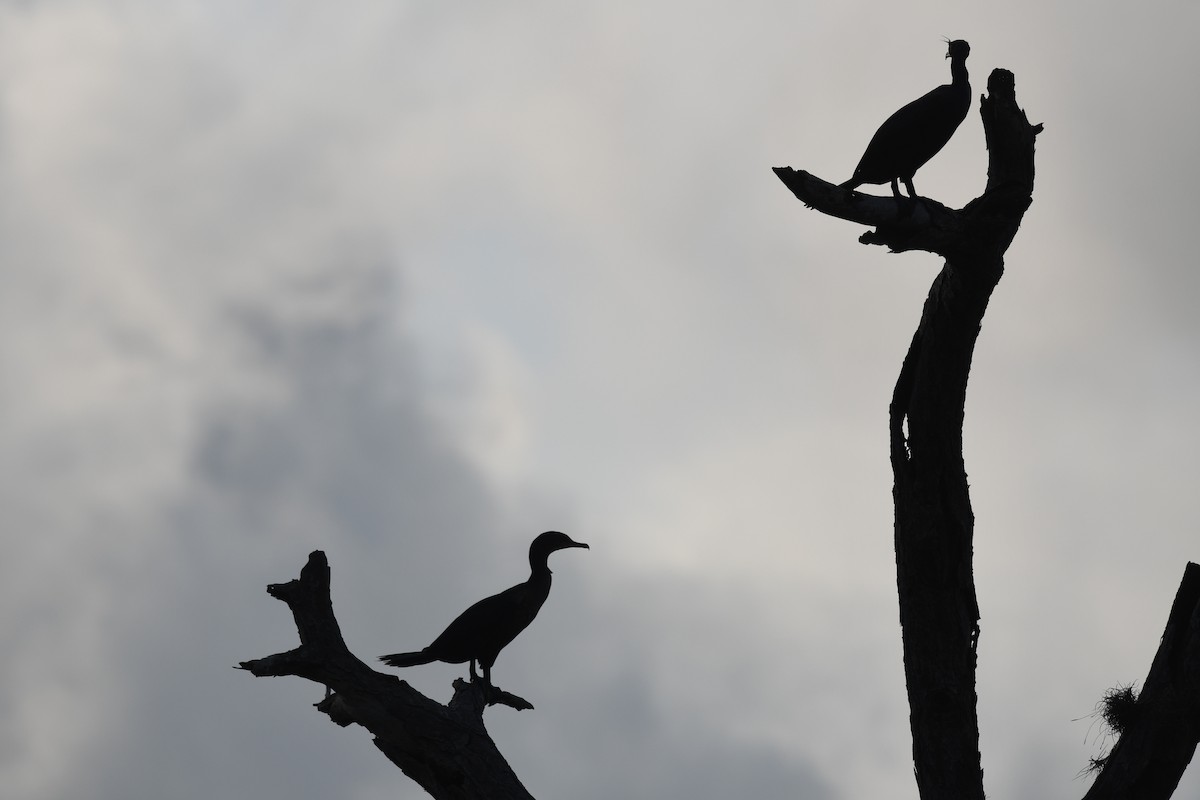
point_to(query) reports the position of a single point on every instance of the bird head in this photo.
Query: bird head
(546, 543)
(958, 49)
(550, 541)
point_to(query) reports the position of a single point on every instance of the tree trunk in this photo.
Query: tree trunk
(1163, 727)
(934, 525)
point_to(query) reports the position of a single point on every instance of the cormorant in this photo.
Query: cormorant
(484, 629)
(915, 133)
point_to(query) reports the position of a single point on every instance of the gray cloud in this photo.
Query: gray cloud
(411, 286)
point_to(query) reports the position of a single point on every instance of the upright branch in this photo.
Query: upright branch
(934, 524)
(445, 749)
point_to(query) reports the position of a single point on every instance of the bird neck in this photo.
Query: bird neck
(958, 71)
(539, 566)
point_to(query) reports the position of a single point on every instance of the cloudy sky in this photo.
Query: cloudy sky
(412, 282)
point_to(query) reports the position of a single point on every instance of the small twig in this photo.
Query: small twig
(478, 695)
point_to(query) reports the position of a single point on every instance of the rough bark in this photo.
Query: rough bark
(1161, 737)
(445, 749)
(934, 524)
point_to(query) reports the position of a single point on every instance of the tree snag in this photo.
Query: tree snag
(445, 749)
(1163, 726)
(934, 525)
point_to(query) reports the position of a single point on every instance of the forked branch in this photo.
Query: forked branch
(445, 749)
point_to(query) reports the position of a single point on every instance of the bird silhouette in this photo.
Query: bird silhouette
(915, 133)
(486, 628)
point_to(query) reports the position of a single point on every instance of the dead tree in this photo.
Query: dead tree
(934, 524)
(444, 748)
(447, 750)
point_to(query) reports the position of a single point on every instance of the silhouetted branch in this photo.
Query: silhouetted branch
(445, 749)
(475, 697)
(901, 224)
(1163, 727)
(986, 224)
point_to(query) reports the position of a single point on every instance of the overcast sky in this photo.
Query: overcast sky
(412, 282)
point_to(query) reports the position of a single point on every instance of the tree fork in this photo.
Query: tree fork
(445, 749)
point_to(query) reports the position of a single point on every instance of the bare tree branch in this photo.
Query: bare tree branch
(445, 749)
(904, 224)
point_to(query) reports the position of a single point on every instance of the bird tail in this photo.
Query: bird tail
(407, 659)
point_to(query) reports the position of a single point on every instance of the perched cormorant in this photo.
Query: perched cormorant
(484, 629)
(915, 133)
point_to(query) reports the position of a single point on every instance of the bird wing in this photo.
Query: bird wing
(913, 135)
(487, 626)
